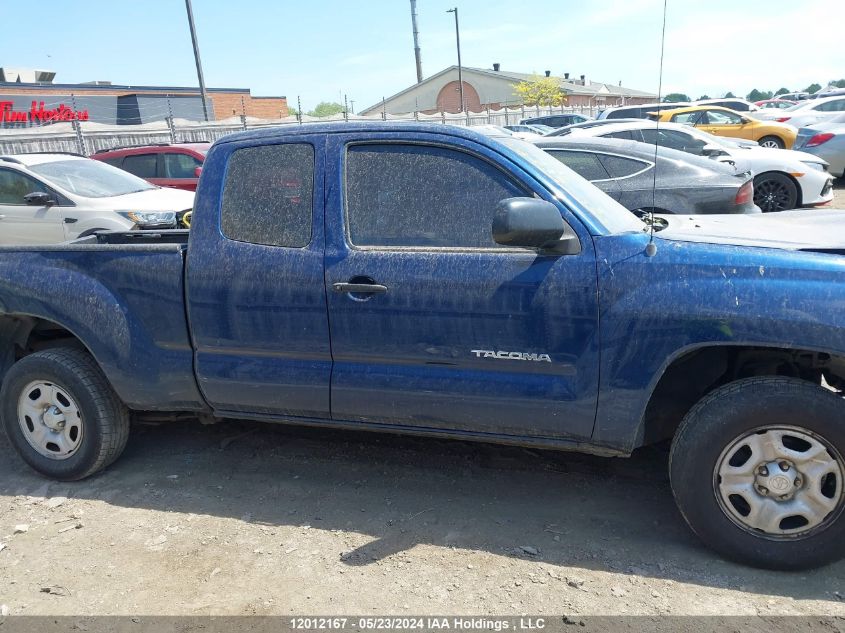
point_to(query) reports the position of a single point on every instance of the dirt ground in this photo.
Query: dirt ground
(244, 518)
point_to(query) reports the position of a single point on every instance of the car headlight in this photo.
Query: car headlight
(150, 218)
(815, 165)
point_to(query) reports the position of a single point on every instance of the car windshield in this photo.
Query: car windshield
(90, 178)
(613, 216)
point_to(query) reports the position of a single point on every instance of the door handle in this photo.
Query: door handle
(359, 288)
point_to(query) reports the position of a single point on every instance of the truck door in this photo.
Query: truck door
(256, 299)
(433, 324)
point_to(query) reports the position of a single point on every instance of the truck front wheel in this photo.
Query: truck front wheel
(61, 415)
(757, 471)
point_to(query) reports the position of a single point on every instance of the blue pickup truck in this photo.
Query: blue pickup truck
(427, 279)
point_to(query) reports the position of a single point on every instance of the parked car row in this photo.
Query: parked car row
(783, 179)
(50, 198)
(691, 160)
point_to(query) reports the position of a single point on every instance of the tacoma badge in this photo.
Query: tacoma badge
(483, 353)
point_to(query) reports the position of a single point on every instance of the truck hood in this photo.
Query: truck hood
(159, 199)
(808, 230)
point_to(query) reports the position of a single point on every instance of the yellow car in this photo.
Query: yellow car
(724, 122)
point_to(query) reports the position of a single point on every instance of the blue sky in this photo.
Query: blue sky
(364, 49)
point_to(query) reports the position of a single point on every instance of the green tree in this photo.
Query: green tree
(758, 95)
(813, 88)
(839, 83)
(326, 108)
(730, 95)
(676, 97)
(703, 97)
(782, 91)
(542, 91)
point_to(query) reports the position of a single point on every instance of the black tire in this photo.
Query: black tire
(775, 192)
(776, 140)
(105, 419)
(712, 425)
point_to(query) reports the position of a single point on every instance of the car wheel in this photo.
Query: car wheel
(757, 472)
(775, 192)
(771, 141)
(61, 415)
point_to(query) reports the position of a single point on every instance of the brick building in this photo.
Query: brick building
(494, 88)
(35, 102)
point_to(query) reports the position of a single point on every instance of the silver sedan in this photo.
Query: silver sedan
(826, 140)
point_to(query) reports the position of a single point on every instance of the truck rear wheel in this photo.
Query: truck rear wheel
(757, 472)
(61, 415)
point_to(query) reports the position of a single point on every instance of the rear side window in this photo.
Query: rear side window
(620, 167)
(142, 165)
(635, 113)
(674, 139)
(267, 195)
(423, 196)
(180, 166)
(688, 118)
(585, 164)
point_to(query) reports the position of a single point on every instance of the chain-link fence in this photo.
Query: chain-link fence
(86, 137)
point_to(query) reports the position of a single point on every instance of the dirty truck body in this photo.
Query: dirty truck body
(430, 280)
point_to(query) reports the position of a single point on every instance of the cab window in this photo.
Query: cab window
(401, 195)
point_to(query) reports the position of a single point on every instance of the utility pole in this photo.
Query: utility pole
(460, 70)
(197, 58)
(417, 55)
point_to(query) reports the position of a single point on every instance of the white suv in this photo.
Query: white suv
(51, 198)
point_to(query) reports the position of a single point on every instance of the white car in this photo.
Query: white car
(783, 179)
(498, 130)
(52, 198)
(806, 112)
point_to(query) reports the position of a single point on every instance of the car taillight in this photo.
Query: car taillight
(783, 119)
(818, 139)
(745, 194)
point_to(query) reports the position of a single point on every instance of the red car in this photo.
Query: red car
(177, 166)
(780, 104)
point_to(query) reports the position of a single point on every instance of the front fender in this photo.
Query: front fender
(654, 310)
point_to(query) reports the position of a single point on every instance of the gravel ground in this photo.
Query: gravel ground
(242, 519)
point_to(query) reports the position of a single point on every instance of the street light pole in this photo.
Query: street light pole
(460, 70)
(197, 58)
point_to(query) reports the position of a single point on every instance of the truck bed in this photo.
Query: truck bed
(123, 295)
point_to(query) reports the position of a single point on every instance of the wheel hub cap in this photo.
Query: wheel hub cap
(50, 420)
(777, 479)
(780, 483)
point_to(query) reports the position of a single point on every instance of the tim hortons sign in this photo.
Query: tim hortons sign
(37, 113)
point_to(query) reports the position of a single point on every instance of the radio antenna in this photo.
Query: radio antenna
(651, 247)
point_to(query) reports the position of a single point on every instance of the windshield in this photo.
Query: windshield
(613, 216)
(90, 178)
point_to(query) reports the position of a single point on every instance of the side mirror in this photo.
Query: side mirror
(533, 223)
(39, 199)
(197, 172)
